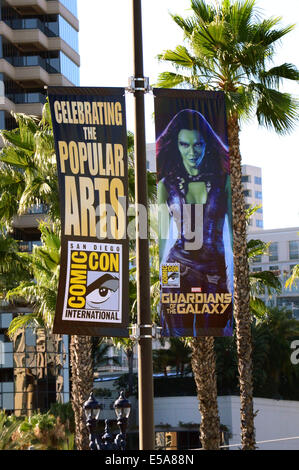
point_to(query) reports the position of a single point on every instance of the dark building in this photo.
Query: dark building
(38, 48)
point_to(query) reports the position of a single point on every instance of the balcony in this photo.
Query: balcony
(33, 76)
(31, 61)
(25, 105)
(35, 39)
(26, 98)
(30, 23)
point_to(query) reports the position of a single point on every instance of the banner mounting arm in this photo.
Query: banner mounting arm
(143, 85)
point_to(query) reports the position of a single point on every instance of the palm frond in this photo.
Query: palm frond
(23, 321)
(204, 13)
(171, 80)
(274, 76)
(180, 57)
(258, 307)
(275, 109)
(293, 278)
(256, 248)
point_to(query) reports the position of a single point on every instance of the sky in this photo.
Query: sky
(105, 42)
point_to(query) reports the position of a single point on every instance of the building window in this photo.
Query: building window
(257, 259)
(258, 195)
(259, 210)
(247, 193)
(246, 179)
(259, 223)
(294, 249)
(257, 180)
(256, 269)
(273, 252)
(274, 268)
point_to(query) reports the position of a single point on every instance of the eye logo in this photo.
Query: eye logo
(102, 294)
(173, 278)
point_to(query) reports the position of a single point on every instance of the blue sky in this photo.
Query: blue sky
(106, 60)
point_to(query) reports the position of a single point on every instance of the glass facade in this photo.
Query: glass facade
(71, 5)
(34, 369)
(69, 69)
(68, 33)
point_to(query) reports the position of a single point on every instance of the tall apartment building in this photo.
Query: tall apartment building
(252, 190)
(38, 48)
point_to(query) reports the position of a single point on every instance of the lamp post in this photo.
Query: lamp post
(92, 409)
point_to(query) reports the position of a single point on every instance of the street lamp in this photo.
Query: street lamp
(92, 409)
(122, 408)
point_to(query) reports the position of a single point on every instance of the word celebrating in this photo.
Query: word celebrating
(85, 112)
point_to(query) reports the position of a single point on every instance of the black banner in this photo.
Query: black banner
(195, 216)
(89, 126)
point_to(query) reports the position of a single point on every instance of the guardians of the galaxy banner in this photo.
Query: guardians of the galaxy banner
(195, 216)
(90, 139)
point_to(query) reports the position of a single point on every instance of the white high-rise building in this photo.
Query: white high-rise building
(252, 190)
(282, 256)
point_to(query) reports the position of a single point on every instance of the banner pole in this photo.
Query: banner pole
(145, 363)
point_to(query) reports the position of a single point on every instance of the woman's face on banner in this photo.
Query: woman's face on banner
(192, 147)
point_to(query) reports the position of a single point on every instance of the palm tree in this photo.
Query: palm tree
(42, 293)
(229, 49)
(279, 327)
(262, 282)
(40, 289)
(29, 176)
(13, 265)
(28, 168)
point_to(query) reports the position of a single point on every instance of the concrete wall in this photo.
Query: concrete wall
(276, 419)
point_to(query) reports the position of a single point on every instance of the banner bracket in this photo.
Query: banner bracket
(139, 84)
(136, 332)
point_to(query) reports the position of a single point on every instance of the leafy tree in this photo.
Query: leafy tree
(8, 427)
(41, 291)
(28, 165)
(28, 168)
(229, 47)
(279, 327)
(13, 266)
(293, 278)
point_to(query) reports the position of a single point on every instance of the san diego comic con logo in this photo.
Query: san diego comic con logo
(93, 284)
(170, 275)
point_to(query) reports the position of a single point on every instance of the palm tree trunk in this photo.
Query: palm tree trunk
(203, 363)
(82, 383)
(241, 289)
